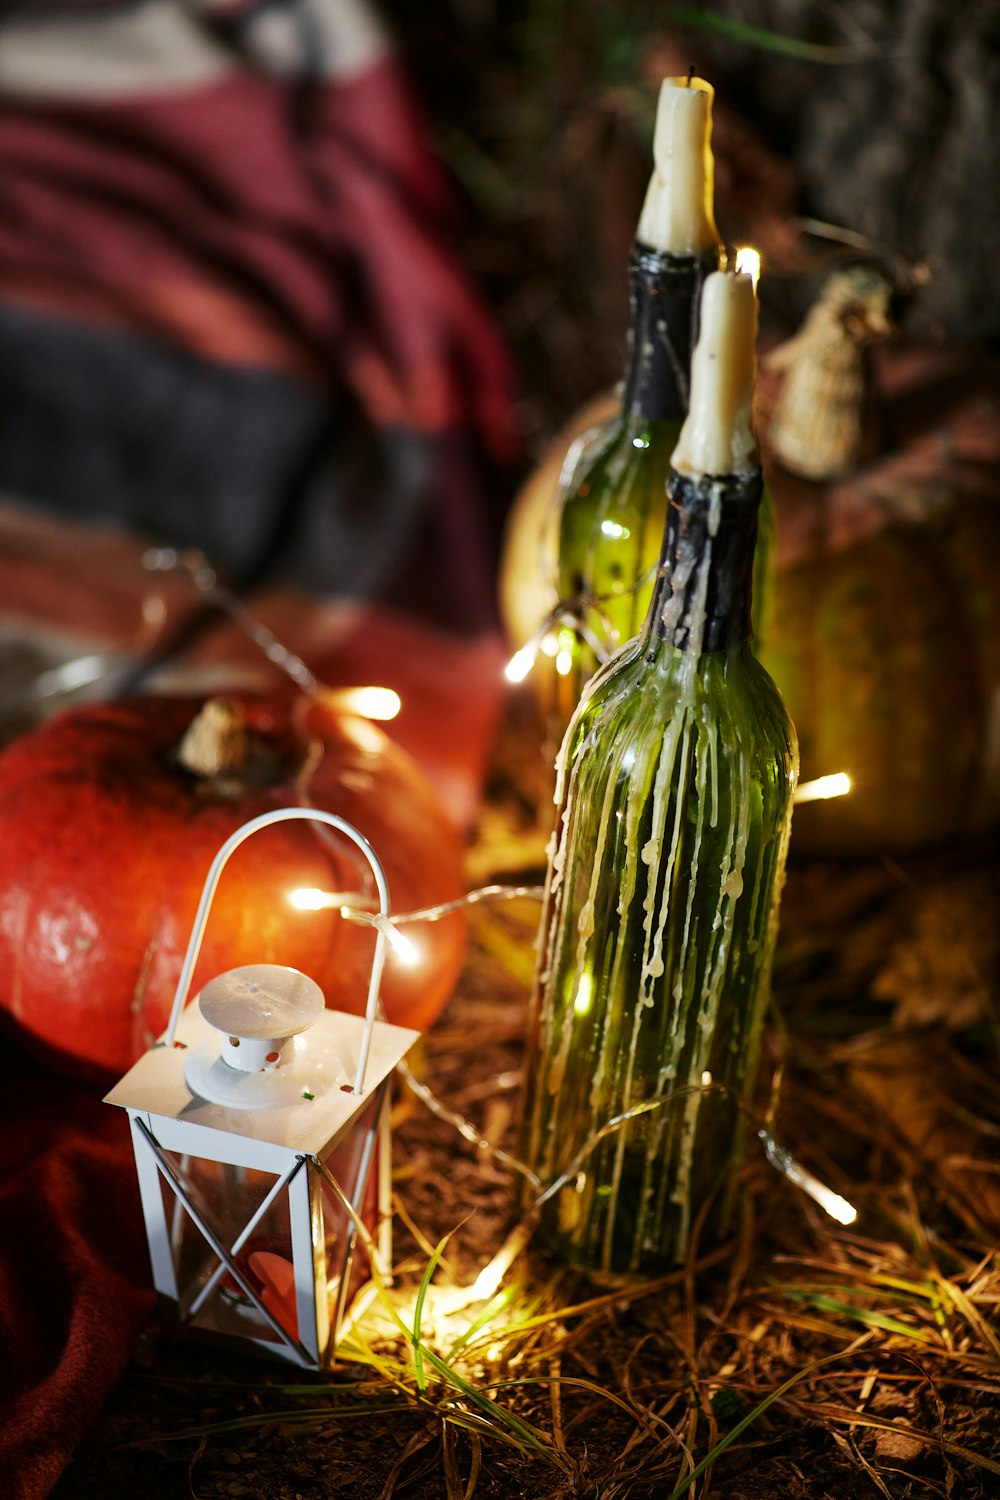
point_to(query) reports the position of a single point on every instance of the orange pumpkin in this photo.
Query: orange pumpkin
(108, 838)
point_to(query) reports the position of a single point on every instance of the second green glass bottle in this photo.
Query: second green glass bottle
(614, 481)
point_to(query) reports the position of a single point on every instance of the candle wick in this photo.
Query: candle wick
(690, 74)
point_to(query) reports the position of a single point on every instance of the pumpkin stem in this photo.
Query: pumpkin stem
(215, 742)
(821, 425)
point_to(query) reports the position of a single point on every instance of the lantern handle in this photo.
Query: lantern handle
(284, 815)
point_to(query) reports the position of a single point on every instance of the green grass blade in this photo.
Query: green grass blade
(859, 1315)
(683, 1485)
(528, 1434)
(418, 1313)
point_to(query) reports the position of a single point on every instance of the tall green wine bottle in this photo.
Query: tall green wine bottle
(674, 786)
(614, 481)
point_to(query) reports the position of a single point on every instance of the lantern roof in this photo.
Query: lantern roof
(324, 1102)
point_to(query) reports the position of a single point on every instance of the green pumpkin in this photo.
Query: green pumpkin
(883, 631)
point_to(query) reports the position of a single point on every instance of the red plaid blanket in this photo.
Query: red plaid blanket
(230, 319)
(230, 312)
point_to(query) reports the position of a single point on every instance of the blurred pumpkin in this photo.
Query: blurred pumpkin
(883, 628)
(883, 631)
(530, 565)
(110, 817)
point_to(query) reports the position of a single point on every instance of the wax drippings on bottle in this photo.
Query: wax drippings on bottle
(693, 862)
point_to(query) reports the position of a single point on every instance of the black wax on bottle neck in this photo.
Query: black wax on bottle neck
(711, 525)
(664, 296)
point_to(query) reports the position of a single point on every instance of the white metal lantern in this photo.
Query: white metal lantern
(260, 1123)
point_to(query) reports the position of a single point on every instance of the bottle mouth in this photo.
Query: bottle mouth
(703, 604)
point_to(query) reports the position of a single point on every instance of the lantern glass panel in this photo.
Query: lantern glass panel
(227, 1198)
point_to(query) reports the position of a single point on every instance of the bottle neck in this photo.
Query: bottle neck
(664, 295)
(702, 597)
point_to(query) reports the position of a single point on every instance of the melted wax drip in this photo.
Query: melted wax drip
(660, 786)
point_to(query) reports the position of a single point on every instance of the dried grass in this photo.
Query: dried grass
(800, 1359)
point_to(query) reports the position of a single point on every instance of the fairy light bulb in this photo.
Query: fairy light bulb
(823, 788)
(308, 898)
(354, 908)
(403, 947)
(521, 662)
(379, 703)
(784, 1162)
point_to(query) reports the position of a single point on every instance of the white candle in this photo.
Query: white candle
(678, 215)
(717, 437)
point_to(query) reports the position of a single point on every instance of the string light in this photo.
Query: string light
(404, 948)
(384, 704)
(379, 703)
(574, 627)
(308, 898)
(573, 614)
(823, 788)
(784, 1162)
(355, 907)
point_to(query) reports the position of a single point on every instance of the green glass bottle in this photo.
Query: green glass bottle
(674, 786)
(613, 491)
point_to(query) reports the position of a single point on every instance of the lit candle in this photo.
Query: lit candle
(748, 263)
(677, 215)
(717, 437)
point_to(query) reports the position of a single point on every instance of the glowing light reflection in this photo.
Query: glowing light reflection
(584, 997)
